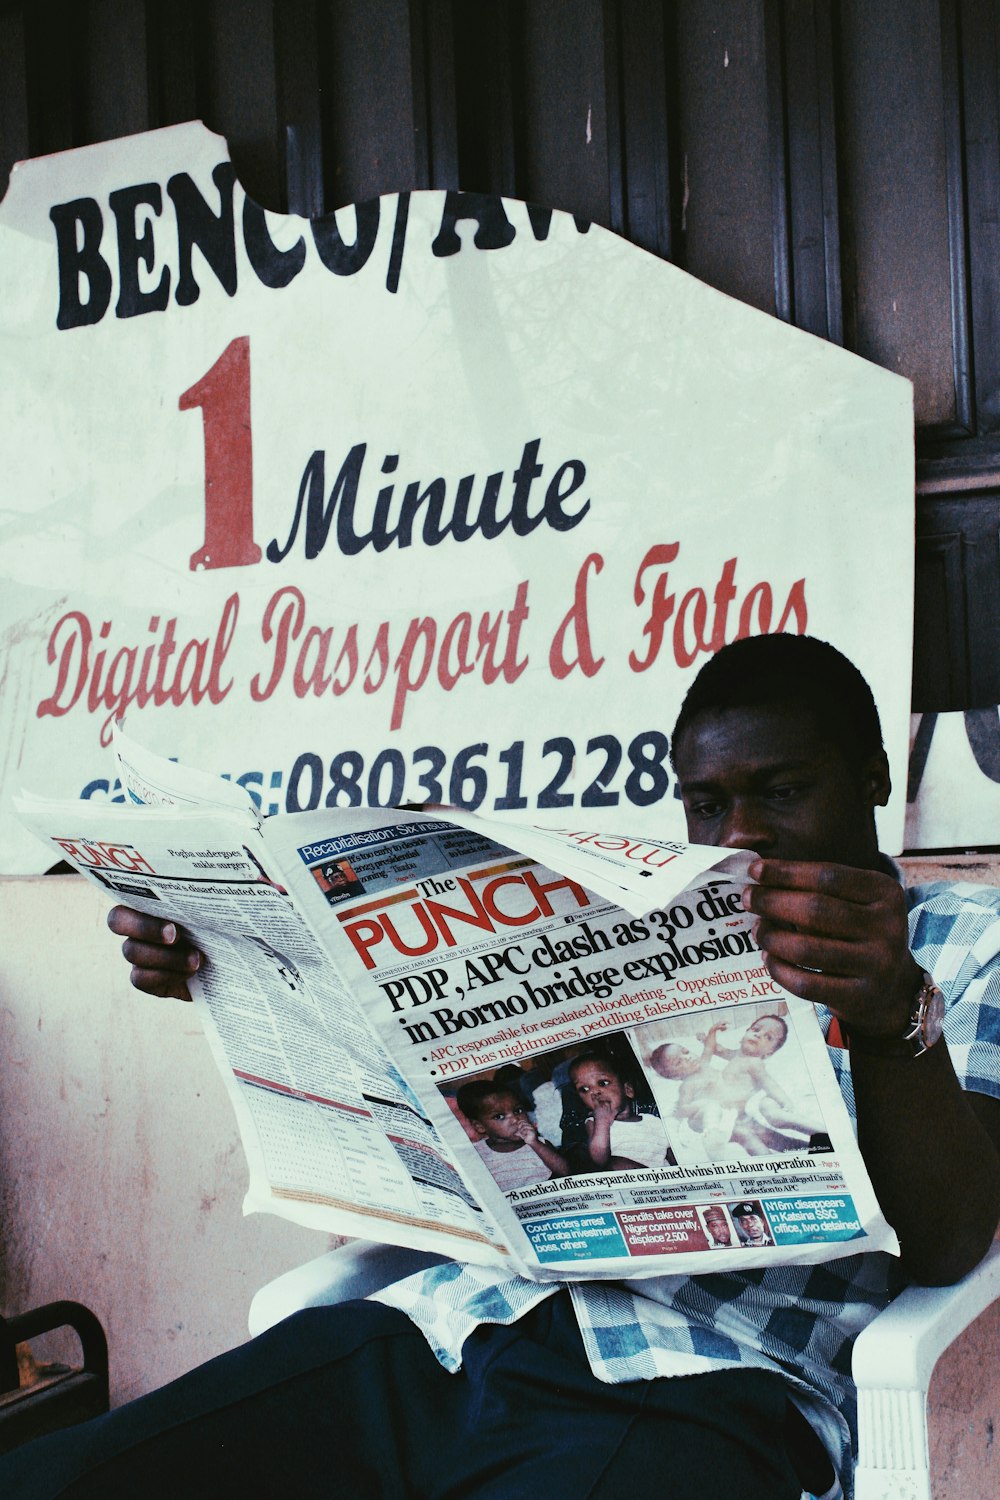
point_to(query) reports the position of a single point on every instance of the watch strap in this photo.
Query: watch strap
(923, 1029)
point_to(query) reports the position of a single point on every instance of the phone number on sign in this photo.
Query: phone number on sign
(605, 774)
(609, 773)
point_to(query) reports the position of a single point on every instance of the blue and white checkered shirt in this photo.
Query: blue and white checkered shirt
(800, 1321)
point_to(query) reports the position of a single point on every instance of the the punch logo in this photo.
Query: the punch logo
(97, 855)
(416, 923)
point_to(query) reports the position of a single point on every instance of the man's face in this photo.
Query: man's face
(751, 1225)
(765, 779)
(718, 1229)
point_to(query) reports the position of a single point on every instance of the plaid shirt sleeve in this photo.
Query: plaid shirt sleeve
(955, 935)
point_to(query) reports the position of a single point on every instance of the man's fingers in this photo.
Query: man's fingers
(806, 951)
(840, 881)
(837, 937)
(811, 911)
(153, 956)
(159, 952)
(159, 982)
(135, 924)
(880, 1005)
(842, 995)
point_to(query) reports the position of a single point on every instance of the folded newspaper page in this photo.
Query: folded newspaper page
(545, 1048)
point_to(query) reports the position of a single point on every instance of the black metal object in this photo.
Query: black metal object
(957, 620)
(805, 212)
(645, 191)
(432, 54)
(980, 110)
(59, 1399)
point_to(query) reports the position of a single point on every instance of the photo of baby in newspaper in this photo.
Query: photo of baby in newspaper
(735, 1089)
(569, 1112)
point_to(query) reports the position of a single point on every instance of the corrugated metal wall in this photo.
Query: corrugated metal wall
(837, 164)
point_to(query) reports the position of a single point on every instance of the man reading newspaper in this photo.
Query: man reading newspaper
(467, 1381)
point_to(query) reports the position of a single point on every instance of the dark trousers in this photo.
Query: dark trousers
(348, 1401)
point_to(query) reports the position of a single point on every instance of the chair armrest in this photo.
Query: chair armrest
(343, 1275)
(899, 1349)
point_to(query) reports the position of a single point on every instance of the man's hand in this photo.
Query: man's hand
(837, 936)
(160, 954)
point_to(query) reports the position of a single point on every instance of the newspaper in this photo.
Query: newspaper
(550, 1049)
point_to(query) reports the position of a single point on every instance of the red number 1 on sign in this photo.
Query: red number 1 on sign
(224, 397)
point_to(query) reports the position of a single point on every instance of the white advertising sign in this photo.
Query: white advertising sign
(953, 798)
(437, 498)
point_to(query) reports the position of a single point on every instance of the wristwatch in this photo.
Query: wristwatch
(926, 1026)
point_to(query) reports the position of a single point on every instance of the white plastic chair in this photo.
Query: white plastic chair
(893, 1359)
(893, 1362)
(354, 1270)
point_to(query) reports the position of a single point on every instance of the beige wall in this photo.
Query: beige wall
(121, 1174)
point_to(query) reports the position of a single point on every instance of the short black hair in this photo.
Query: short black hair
(471, 1097)
(606, 1060)
(795, 670)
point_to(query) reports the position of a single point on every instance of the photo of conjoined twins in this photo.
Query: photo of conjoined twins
(734, 1086)
(690, 1091)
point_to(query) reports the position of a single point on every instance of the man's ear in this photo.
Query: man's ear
(876, 780)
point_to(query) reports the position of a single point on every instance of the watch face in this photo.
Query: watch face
(932, 1020)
